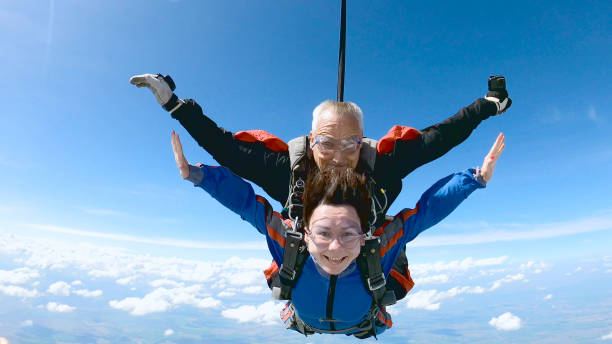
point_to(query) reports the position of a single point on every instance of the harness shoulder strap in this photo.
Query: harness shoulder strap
(297, 151)
(294, 258)
(368, 152)
(370, 268)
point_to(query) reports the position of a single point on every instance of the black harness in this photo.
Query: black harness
(296, 254)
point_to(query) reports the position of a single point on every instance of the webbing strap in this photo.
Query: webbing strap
(341, 52)
(293, 261)
(372, 275)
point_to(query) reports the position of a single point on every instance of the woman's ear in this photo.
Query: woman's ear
(306, 236)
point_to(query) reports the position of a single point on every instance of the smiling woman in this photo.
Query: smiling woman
(328, 293)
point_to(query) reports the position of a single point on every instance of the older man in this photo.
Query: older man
(336, 141)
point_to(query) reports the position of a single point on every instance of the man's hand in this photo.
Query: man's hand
(161, 86)
(488, 165)
(181, 162)
(498, 93)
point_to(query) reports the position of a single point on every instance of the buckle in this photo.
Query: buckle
(294, 235)
(376, 282)
(287, 273)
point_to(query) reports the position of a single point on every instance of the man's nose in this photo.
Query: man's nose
(339, 158)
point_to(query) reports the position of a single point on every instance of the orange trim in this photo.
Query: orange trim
(392, 242)
(381, 229)
(387, 143)
(384, 319)
(410, 212)
(406, 283)
(276, 236)
(271, 232)
(287, 316)
(271, 142)
(271, 270)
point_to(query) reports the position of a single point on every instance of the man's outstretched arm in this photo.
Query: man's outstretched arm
(264, 162)
(405, 149)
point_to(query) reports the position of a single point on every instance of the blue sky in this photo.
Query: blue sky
(86, 163)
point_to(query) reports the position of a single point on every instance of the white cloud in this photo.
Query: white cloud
(548, 297)
(226, 294)
(27, 323)
(432, 279)
(534, 267)
(456, 265)
(119, 264)
(162, 299)
(506, 322)
(13, 290)
(88, 293)
(18, 276)
(168, 332)
(59, 288)
(607, 336)
(507, 279)
(77, 282)
(165, 282)
(59, 308)
(243, 277)
(255, 245)
(256, 289)
(578, 269)
(430, 299)
(265, 314)
(515, 232)
(126, 280)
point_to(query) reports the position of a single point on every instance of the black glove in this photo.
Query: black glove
(498, 93)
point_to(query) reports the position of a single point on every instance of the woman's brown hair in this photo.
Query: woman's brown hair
(338, 187)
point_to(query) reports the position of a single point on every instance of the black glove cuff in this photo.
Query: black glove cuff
(169, 81)
(171, 103)
(499, 94)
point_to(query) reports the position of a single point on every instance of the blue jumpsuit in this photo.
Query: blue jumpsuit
(318, 296)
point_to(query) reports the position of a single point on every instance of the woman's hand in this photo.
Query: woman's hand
(181, 162)
(488, 165)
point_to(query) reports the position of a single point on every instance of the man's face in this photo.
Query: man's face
(338, 132)
(334, 237)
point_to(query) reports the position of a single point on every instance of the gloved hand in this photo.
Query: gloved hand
(161, 86)
(498, 94)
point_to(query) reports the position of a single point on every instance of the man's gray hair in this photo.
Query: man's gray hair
(340, 109)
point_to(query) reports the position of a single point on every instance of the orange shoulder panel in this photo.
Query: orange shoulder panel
(271, 142)
(271, 270)
(404, 280)
(387, 143)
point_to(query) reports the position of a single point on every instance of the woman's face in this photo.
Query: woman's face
(334, 237)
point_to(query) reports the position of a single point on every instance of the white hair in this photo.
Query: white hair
(338, 108)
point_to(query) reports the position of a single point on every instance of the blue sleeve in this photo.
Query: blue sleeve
(438, 202)
(235, 194)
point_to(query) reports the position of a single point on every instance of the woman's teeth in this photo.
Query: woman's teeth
(335, 260)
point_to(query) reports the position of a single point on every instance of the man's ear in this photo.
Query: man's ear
(311, 138)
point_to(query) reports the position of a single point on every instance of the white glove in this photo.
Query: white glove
(161, 87)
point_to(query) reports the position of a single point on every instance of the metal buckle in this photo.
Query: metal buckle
(286, 272)
(377, 282)
(294, 235)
